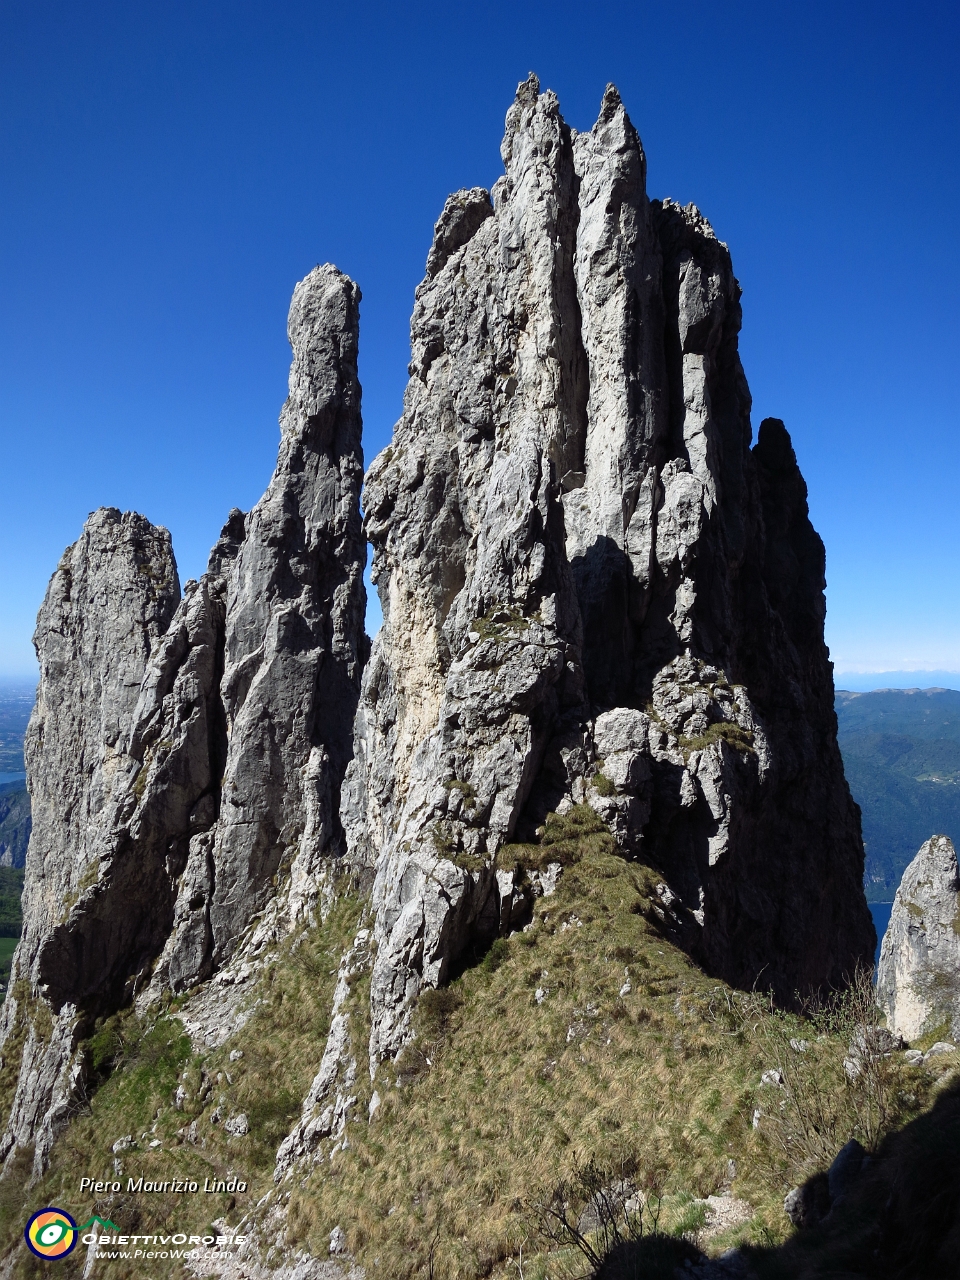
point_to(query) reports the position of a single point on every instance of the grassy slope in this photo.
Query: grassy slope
(141, 1068)
(500, 1097)
(510, 1095)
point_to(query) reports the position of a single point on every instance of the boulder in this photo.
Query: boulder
(918, 978)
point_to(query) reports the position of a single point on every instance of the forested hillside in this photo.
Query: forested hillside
(901, 755)
(16, 703)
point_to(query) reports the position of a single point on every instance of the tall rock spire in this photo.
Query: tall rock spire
(181, 757)
(581, 560)
(294, 644)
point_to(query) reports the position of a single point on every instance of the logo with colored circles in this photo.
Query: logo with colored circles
(51, 1233)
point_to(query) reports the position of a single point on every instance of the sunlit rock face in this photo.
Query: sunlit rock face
(918, 979)
(594, 589)
(597, 591)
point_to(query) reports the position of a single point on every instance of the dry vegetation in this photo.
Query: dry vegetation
(588, 1038)
(587, 1042)
(136, 1071)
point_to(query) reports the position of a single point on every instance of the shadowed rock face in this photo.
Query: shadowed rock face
(106, 608)
(585, 569)
(918, 978)
(182, 755)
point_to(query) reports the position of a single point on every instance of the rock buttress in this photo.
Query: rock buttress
(294, 649)
(918, 978)
(105, 612)
(585, 568)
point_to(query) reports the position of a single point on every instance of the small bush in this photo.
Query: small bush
(495, 956)
(105, 1047)
(720, 731)
(272, 1114)
(831, 1091)
(601, 1209)
(435, 1009)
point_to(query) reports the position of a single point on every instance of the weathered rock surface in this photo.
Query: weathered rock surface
(293, 651)
(586, 570)
(105, 611)
(595, 592)
(918, 979)
(185, 757)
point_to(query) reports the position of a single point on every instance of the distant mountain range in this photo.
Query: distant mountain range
(901, 755)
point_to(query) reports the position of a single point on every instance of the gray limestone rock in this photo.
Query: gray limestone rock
(918, 978)
(327, 1105)
(807, 1206)
(106, 608)
(593, 589)
(294, 648)
(184, 758)
(595, 592)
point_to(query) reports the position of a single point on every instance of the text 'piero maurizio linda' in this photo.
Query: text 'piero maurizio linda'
(178, 1186)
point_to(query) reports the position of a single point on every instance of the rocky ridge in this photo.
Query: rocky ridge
(183, 753)
(597, 597)
(593, 590)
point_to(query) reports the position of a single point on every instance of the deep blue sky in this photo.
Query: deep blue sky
(168, 171)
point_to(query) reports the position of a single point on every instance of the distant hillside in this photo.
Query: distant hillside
(901, 753)
(14, 824)
(11, 919)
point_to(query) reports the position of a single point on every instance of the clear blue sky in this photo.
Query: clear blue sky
(170, 170)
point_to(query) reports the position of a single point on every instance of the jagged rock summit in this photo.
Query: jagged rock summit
(593, 590)
(918, 978)
(598, 601)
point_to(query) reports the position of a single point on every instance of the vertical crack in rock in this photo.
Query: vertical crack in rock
(477, 667)
(581, 561)
(610, 503)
